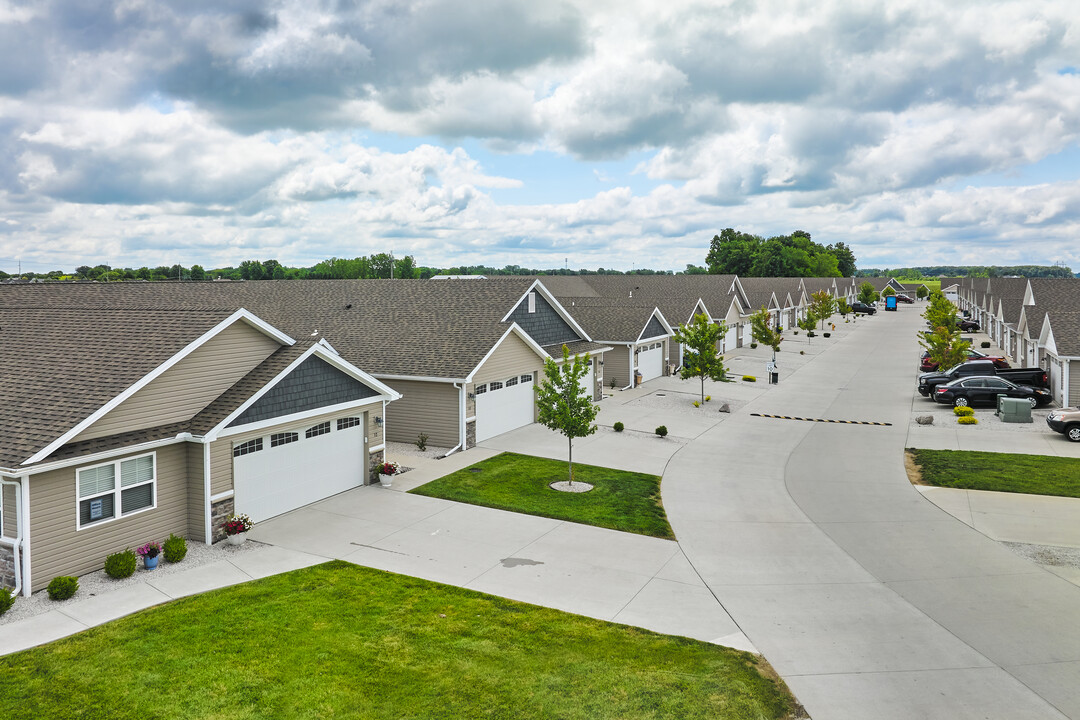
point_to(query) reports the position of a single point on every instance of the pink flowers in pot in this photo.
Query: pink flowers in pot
(149, 550)
(237, 524)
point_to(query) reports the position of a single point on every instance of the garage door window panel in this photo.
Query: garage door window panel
(315, 431)
(348, 422)
(284, 438)
(246, 448)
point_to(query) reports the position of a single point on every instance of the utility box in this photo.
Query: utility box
(1013, 410)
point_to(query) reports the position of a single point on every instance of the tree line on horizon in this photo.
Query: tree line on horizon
(980, 271)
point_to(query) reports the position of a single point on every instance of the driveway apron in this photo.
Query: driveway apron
(869, 600)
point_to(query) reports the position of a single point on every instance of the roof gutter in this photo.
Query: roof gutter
(461, 420)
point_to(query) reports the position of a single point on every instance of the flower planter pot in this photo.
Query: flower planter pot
(237, 539)
(386, 480)
(150, 562)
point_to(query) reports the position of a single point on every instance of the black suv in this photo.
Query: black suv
(862, 308)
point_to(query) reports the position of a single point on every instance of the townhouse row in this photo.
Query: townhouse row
(1035, 321)
(135, 410)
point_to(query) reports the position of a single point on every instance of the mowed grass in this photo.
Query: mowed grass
(620, 500)
(342, 641)
(1002, 472)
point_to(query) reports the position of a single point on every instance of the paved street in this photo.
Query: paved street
(868, 599)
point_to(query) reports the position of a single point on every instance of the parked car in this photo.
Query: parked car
(985, 390)
(862, 309)
(928, 365)
(1035, 377)
(905, 299)
(967, 325)
(1065, 421)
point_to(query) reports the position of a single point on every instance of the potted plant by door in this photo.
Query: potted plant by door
(387, 471)
(149, 553)
(236, 527)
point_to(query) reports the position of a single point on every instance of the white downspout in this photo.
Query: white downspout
(25, 480)
(630, 353)
(16, 542)
(461, 420)
(207, 507)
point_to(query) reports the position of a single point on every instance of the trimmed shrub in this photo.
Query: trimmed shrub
(753, 345)
(961, 411)
(618, 426)
(827, 334)
(662, 431)
(697, 404)
(121, 565)
(984, 344)
(708, 398)
(174, 549)
(421, 442)
(802, 352)
(967, 420)
(811, 334)
(796, 332)
(6, 600)
(749, 378)
(63, 587)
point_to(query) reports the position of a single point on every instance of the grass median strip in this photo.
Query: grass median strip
(620, 500)
(342, 641)
(1000, 472)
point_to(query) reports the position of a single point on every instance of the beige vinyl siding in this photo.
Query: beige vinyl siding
(512, 357)
(190, 385)
(617, 366)
(221, 458)
(196, 529)
(1074, 383)
(425, 407)
(9, 511)
(59, 549)
(374, 430)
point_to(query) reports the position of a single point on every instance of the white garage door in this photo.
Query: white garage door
(650, 361)
(588, 381)
(503, 405)
(729, 338)
(286, 470)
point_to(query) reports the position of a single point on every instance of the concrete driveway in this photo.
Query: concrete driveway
(625, 578)
(869, 600)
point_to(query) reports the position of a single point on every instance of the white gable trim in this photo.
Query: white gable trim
(386, 393)
(1046, 336)
(700, 309)
(516, 330)
(539, 286)
(239, 315)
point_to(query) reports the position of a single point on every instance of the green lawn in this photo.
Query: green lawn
(1003, 472)
(342, 641)
(619, 500)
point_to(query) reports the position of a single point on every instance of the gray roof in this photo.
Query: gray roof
(1066, 329)
(611, 319)
(1010, 309)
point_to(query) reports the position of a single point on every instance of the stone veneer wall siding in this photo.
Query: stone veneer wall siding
(470, 434)
(219, 513)
(7, 567)
(375, 458)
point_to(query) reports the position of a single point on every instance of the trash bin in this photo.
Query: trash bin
(637, 378)
(774, 378)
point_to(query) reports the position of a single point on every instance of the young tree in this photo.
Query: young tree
(760, 328)
(867, 294)
(700, 358)
(943, 341)
(921, 292)
(888, 291)
(842, 307)
(808, 324)
(563, 404)
(822, 306)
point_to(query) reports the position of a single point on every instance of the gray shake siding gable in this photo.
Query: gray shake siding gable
(653, 329)
(545, 325)
(313, 384)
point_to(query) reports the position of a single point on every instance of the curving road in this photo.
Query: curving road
(870, 601)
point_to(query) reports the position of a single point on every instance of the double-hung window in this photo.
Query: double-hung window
(116, 489)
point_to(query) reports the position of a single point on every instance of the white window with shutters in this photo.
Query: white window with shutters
(115, 489)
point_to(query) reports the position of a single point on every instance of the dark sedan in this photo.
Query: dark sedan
(928, 365)
(967, 325)
(984, 391)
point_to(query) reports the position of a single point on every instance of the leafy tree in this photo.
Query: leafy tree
(381, 264)
(888, 291)
(700, 358)
(842, 307)
(251, 270)
(197, 272)
(943, 342)
(867, 293)
(921, 292)
(822, 306)
(732, 252)
(406, 268)
(824, 265)
(808, 324)
(762, 331)
(845, 259)
(563, 404)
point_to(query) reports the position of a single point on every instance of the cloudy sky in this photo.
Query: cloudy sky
(592, 133)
